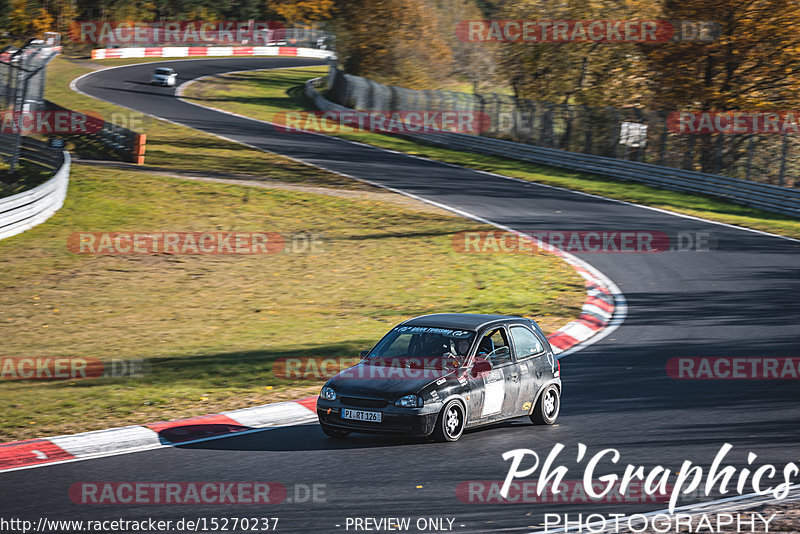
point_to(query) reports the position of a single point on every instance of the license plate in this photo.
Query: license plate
(360, 415)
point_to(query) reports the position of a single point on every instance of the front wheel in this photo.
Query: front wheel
(333, 433)
(547, 407)
(450, 424)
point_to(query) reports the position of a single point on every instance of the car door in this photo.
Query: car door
(546, 362)
(501, 385)
(531, 356)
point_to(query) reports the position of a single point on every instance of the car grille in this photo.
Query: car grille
(363, 403)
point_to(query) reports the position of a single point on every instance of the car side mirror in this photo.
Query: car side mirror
(481, 367)
(363, 354)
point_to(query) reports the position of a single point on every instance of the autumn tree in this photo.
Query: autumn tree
(64, 12)
(303, 12)
(18, 18)
(43, 22)
(592, 73)
(754, 62)
(471, 62)
(394, 41)
(4, 9)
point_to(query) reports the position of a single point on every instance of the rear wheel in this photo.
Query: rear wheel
(547, 407)
(333, 433)
(450, 424)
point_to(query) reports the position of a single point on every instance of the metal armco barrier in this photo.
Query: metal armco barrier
(630, 133)
(25, 210)
(763, 196)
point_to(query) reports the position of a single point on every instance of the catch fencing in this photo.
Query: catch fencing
(22, 80)
(759, 195)
(630, 134)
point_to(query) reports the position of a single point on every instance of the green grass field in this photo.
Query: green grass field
(175, 147)
(210, 327)
(26, 176)
(261, 94)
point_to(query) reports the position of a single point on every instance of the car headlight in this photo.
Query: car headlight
(410, 401)
(328, 394)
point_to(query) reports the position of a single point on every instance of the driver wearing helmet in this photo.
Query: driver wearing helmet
(461, 347)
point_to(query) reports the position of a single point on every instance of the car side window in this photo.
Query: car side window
(494, 347)
(526, 343)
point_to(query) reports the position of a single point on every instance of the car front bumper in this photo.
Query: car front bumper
(394, 420)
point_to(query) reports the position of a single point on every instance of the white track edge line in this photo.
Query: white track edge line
(157, 446)
(620, 303)
(179, 94)
(617, 319)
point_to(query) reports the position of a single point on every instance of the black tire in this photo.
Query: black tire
(333, 433)
(547, 406)
(450, 423)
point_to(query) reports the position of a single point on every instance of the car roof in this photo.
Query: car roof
(463, 321)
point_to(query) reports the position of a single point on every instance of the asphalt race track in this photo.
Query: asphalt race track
(739, 299)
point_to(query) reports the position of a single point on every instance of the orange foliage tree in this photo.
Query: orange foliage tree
(753, 63)
(394, 41)
(303, 11)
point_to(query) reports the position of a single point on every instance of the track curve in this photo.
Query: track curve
(737, 300)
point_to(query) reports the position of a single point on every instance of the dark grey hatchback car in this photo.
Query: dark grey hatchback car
(437, 375)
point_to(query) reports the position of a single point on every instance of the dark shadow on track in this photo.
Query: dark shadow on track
(309, 437)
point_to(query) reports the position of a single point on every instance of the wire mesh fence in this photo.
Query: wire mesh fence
(625, 133)
(22, 82)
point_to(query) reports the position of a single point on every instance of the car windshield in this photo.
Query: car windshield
(164, 72)
(428, 346)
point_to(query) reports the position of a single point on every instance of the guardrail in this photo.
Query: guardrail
(25, 210)
(767, 197)
(127, 143)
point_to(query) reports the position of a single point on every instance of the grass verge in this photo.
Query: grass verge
(27, 176)
(260, 94)
(210, 327)
(178, 147)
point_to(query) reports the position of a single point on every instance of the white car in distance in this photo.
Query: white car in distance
(164, 76)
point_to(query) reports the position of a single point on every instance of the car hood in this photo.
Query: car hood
(386, 383)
